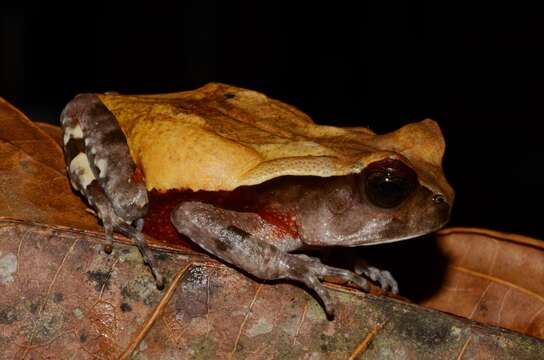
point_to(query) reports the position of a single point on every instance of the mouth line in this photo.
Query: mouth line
(411, 236)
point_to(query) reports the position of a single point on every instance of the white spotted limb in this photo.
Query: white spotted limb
(101, 169)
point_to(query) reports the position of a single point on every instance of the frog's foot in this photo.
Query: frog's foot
(111, 222)
(382, 277)
(108, 230)
(135, 233)
(106, 214)
(308, 270)
(215, 231)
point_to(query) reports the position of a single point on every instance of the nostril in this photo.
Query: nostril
(439, 199)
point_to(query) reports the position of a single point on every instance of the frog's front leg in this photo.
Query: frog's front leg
(383, 277)
(243, 240)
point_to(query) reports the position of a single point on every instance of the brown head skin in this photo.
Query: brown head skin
(356, 210)
(384, 203)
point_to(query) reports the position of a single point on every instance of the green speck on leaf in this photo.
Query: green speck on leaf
(78, 313)
(262, 326)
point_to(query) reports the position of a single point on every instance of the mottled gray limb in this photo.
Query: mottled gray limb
(324, 270)
(108, 153)
(212, 228)
(110, 222)
(382, 277)
(134, 233)
(100, 167)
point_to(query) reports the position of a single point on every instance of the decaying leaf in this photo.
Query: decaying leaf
(54, 132)
(33, 181)
(492, 277)
(23, 134)
(61, 295)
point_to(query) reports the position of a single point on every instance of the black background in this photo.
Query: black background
(476, 69)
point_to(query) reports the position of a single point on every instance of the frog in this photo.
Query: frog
(307, 194)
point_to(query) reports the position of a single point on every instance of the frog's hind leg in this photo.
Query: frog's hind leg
(98, 200)
(100, 168)
(106, 217)
(134, 232)
(109, 155)
(111, 222)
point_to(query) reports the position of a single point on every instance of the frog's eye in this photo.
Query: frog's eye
(387, 183)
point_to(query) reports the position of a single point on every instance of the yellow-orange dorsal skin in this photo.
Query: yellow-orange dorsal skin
(220, 137)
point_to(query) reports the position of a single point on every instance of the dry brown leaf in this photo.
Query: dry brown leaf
(54, 132)
(24, 135)
(33, 181)
(60, 294)
(64, 297)
(492, 277)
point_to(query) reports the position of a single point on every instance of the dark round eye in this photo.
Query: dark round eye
(387, 183)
